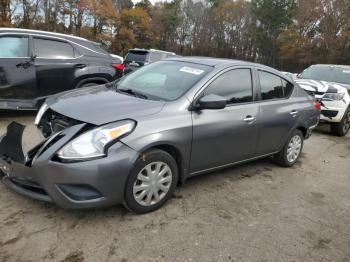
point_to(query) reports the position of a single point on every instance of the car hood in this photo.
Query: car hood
(99, 105)
(321, 87)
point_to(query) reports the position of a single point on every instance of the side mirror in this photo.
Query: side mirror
(211, 102)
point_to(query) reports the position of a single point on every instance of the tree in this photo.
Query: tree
(5, 13)
(273, 17)
(123, 4)
(134, 25)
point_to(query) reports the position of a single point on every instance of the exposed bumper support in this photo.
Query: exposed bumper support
(89, 184)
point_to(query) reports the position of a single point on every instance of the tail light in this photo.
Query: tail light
(317, 105)
(118, 66)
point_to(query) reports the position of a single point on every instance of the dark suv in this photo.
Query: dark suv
(136, 58)
(37, 64)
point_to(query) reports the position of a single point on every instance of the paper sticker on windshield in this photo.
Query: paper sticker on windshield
(346, 71)
(191, 70)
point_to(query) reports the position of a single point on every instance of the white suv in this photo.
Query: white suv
(330, 84)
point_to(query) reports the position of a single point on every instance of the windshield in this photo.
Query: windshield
(164, 80)
(327, 73)
(136, 56)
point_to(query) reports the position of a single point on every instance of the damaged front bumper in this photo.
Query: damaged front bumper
(40, 175)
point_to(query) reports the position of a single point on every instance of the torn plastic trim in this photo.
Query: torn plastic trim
(11, 143)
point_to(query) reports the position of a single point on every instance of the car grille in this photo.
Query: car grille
(59, 124)
(53, 122)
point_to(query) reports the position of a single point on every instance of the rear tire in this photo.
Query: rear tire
(152, 182)
(343, 127)
(291, 151)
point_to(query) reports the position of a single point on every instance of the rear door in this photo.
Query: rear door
(228, 135)
(278, 112)
(57, 64)
(17, 73)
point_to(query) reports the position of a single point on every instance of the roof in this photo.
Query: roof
(30, 31)
(209, 61)
(333, 65)
(150, 50)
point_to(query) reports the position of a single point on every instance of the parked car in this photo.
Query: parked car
(157, 127)
(137, 58)
(330, 84)
(37, 64)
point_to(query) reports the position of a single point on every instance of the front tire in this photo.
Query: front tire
(343, 127)
(291, 151)
(152, 182)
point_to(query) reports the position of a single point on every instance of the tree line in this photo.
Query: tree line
(286, 34)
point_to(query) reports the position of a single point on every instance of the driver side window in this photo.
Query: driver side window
(235, 85)
(14, 46)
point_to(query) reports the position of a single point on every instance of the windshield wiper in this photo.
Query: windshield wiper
(132, 92)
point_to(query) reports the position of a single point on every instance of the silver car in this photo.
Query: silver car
(134, 141)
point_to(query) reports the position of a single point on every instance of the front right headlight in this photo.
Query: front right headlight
(333, 96)
(92, 144)
(40, 113)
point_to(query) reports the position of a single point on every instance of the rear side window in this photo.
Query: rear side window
(52, 49)
(235, 86)
(274, 87)
(287, 88)
(14, 46)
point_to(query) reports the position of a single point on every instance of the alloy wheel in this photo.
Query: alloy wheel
(294, 148)
(346, 124)
(152, 183)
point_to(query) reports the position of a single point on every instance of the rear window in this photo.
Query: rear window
(46, 48)
(137, 56)
(100, 48)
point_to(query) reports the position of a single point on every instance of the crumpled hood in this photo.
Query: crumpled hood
(100, 105)
(321, 87)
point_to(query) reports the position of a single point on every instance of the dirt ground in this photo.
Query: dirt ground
(254, 212)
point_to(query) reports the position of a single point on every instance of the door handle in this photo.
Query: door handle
(81, 66)
(250, 119)
(25, 65)
(293, 113)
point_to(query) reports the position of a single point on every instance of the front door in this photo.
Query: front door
(229, 135)
(17, 72)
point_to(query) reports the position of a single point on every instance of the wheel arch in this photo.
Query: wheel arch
(175, 153)
(98, 80)
(303, 129)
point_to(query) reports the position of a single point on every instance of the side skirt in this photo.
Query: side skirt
(230, 164)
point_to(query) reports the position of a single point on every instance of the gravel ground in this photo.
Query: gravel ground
(254, 212)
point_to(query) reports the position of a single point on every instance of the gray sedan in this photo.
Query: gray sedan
(135, 140)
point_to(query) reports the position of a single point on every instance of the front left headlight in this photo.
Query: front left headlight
(333, 96)
(92, 144)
